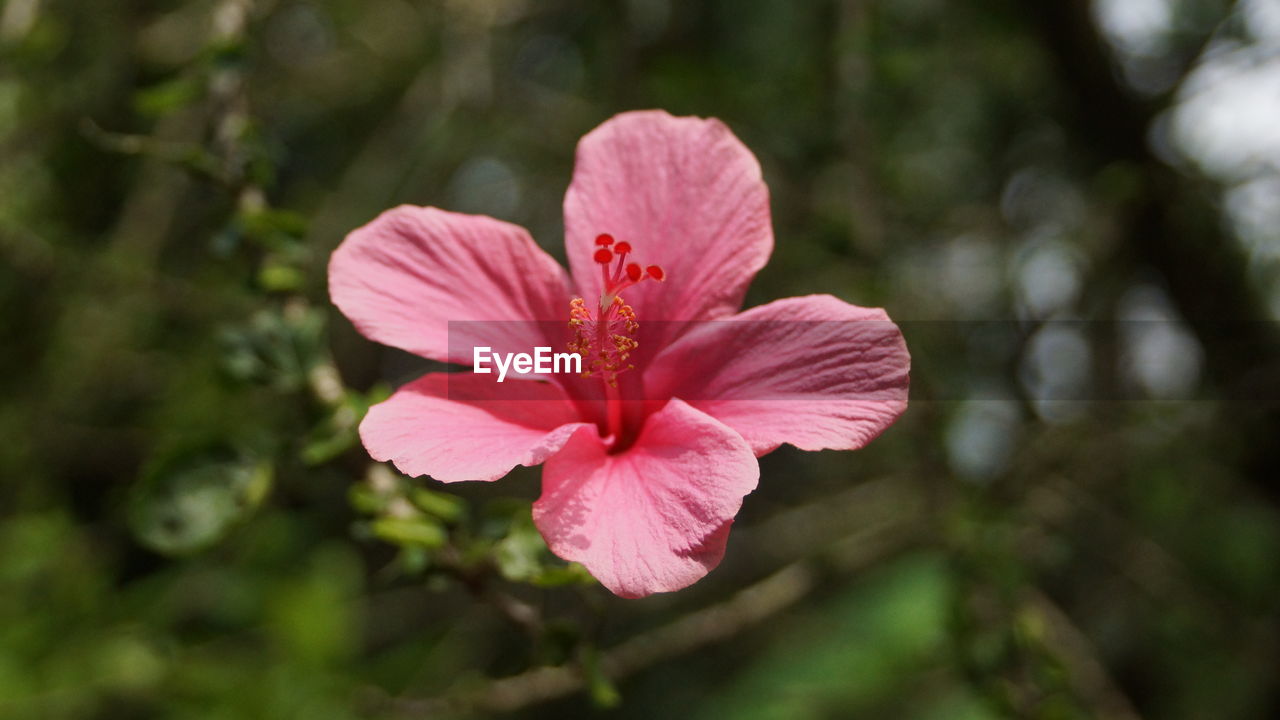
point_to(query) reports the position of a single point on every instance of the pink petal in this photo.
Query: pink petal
(654, 517)
(403, 277)
(462, 426)
(815, 372)
(688, 196)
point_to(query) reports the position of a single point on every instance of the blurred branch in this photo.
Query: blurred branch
(1141, 560)
(189, 156)
(156, 194)
(837, 524)
(1194, 53)
(851, 531)
(1087, 673)
(477, 581)
(717, 623)
(1182, 236)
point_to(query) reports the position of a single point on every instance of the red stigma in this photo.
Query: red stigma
(617, 277)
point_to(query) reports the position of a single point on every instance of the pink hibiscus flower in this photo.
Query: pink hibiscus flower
(649, 456)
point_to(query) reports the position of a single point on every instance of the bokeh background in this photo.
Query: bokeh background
(1072, 208)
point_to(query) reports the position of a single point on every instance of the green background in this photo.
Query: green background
(1076, 518)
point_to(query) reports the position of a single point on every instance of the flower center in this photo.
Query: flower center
(605, 340)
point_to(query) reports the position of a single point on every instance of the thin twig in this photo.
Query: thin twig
(717, 623)
(862, 544)
(190, 156)
(1088, 674)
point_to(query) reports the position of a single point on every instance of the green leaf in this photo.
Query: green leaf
(192, 508)
(278, 347)
(442, 505)
(414, 559)
(281, 278)
(337, 432)
(168, 96)
(312, 614)
(274, 223)
(421, 531)
(366, 500)
(561, 575)
(520, 555)
(603, 692)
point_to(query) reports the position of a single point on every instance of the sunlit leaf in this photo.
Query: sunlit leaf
(189, 509)
(166, 97)
(421, 531)
(603, 692)
(442, 505)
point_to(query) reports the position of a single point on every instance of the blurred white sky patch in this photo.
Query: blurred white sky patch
(1057, 371)
(1263, 19)
(1226, 122)
(981, 437)
(1160, 357)
(961, 278)
(970, 277)
(1046, 278)
(1139, 32)
(1228, 117)
(1135, 26)
(1036, 198)
(1254, 208)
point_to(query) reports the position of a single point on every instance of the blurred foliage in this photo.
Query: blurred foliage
(190, 527)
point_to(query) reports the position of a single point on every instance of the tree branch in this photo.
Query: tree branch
(717, 623)
(850, 531)
(1173, 227)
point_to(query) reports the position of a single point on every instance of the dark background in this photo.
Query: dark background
(1076, 517)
